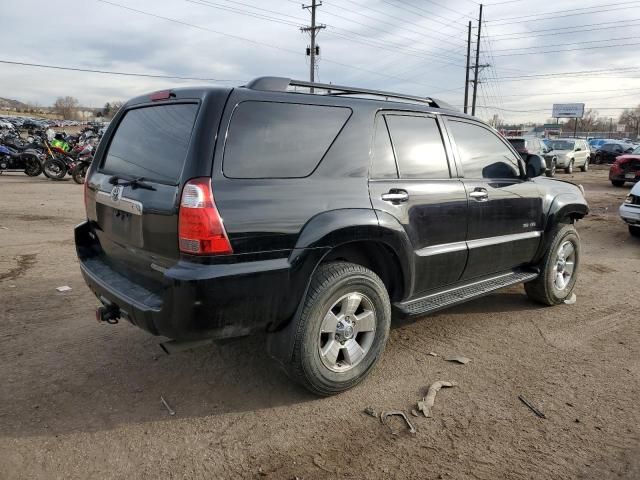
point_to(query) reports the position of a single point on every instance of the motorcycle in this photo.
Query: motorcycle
(82, 164)
(27, 161)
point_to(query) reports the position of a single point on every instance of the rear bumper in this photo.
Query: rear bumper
(192, 300)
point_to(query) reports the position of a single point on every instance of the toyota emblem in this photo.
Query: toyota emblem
(116, 193)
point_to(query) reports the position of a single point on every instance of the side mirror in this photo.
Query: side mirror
(536, 166)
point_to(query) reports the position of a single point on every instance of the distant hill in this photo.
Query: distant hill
(9, 103)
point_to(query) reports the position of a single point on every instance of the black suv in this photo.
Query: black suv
(528, 146)
(313, 215)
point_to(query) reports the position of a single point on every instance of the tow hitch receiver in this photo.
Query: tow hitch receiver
(109, 314)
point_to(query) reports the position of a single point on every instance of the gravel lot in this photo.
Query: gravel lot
(82, 400)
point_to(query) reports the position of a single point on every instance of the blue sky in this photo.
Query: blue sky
(411, 46)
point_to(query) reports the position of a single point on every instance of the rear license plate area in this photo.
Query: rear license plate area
(122, 227)
(630, 175)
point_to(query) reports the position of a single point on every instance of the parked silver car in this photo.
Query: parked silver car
(570, 153)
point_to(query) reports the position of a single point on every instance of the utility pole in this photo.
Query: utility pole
(313, 30)
(466, 74)
(477, 66)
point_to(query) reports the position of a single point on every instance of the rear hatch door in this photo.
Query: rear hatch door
(133, 191)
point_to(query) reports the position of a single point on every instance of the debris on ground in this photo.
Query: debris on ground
(458, 359)
(385, 415)
(571, 300)
(426, 404)
(433, 354)
(164, 402)
(64, 288)
(371, 412)
(531, 406)
(414, 412)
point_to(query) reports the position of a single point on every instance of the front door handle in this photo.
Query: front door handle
(479, 194)
(395, 196)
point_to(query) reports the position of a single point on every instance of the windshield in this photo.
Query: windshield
(562, 145)
(636, 151)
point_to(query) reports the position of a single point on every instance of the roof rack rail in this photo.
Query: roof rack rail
(281, 84)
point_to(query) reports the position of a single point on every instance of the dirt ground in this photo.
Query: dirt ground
(80, 400)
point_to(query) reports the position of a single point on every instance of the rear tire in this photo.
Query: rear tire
(552, 169)
(569, 169)
(54, 168)
(585, 167)
(558, 268)
(325, 360)
(617, 183)
(33, 168)
(634, 230)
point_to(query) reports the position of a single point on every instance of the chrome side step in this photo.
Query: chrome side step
(453, 296)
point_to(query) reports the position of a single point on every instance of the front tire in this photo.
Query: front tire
(54, 168)
(569, 168)
(634, 230)
(559, 267)
(342, 329)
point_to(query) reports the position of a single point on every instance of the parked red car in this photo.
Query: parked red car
(626, 168)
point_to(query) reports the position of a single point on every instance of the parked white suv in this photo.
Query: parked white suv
(570, 153)
(630, 210)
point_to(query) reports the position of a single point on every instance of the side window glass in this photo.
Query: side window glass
(482, 153)
(384, 163)
(418, 146)
(279, 140)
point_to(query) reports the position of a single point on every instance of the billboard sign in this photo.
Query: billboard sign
(568, 110)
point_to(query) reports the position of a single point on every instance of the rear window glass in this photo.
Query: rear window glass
(279, 140)
(152, 142)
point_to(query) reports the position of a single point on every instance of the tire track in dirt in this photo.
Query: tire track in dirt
(573, 337)
(23, 263)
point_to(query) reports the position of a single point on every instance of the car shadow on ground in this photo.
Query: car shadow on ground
(118, 375)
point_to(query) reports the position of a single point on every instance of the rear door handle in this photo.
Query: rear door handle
(479, 194)
(395, 196)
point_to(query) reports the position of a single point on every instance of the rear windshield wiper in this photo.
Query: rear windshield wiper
(132, 182)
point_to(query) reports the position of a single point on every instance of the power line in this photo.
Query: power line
(348, 36)
(255, 42)
(387, 14)
(521, 95)
(569, 49)
(421, 33)
(110, 72)
(416, 10)
(566, 30)
(565, 11)
(565, 44)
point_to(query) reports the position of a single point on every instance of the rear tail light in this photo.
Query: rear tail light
(200, 227)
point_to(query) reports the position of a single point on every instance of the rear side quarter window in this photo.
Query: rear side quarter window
(280, 140)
